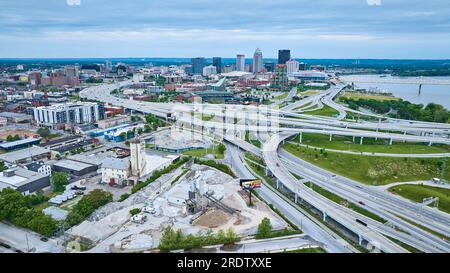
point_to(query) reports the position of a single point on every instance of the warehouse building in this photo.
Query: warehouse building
(74, 167)
(23, 180)
(23, 143)
(26, 155)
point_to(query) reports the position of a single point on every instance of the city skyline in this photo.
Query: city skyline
(323, 29)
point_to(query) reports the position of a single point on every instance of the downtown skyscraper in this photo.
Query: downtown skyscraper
(284, 55)
(240, 62)
(198, 64)
(217, 62)
(257, 61)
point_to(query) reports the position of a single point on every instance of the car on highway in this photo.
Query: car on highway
(361, 222)
(43, 239)
(362, 203)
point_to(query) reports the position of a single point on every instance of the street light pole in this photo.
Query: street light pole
(28, 245)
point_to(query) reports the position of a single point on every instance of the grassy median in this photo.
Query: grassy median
(419, 192)
(325, 111)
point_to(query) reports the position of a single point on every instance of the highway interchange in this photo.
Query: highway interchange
(273, 126)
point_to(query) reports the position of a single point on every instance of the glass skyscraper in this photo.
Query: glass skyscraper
(284, 55)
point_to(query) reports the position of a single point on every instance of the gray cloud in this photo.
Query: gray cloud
(293, 23)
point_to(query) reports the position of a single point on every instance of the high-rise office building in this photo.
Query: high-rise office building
(302, 66)
(217, 62)
(197, 65)
(269, 66)
(240, 62)
(71, 71)
(257, 61)
(292, 66)
(284, 55)
(279, 79)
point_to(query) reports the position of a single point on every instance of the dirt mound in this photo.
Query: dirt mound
(213, 218)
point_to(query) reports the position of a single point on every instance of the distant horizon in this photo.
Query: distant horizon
(210, 57)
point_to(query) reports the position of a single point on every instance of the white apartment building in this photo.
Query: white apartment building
(66, 113)
(292, 66)
(209, 70)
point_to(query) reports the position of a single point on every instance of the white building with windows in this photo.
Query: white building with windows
(66, 113)
(39, 167)
(292, 66)
(209, 70)
(115, 171)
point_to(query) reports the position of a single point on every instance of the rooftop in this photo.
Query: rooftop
(23, 154)
(72, 165)
(59, 140)
(21, 177)
(236, 74)
(8, 145)
(116, 163)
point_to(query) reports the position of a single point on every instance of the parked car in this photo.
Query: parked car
(75, 187)
(150, 210)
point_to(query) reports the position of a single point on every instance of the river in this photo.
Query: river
(439, 94)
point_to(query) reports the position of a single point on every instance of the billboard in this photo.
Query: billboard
(249, 184)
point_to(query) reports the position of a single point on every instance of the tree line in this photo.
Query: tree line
(172, 239)
(402, 109)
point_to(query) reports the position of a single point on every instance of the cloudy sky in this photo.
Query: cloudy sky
(185, 28)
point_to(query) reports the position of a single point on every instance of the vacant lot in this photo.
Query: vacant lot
(370, 145)
(358, 95)
(21, 132)
(372, 170)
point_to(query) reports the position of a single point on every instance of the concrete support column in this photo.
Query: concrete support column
(390, 141)
(431, 143)
(353, 138)
(360, 239)
(331, 136)
(361, 140)
(301, 137)
(278, 183)
(324, 216)
(295, 198)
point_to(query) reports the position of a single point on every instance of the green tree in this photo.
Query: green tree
(43, 132)
(221, 148)
(2, 166)
(134, 211)
(264, 229)
(59, 181)
(11, 201)
(231, 236)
